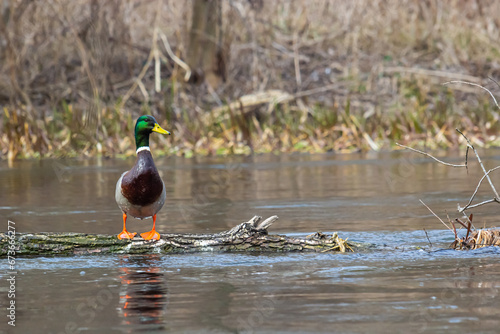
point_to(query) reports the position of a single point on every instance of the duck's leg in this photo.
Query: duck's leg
(151, 235)
(125, 234)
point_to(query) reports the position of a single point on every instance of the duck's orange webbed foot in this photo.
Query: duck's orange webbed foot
(125, 234)
(151, 235)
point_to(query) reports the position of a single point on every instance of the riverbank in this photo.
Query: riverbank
(300, 77)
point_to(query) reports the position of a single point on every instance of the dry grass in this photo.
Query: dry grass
(65, 67)
(478, 239)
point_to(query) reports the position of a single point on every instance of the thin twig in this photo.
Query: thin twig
(156, 51)
(483, 203)
(144, 92)
(296, 61)
(214, 95)
(469, 225)
(151, 56)
(174, 57)
(468, 205)
(430, 243)
(454, 229)
(481, 164)
(439, 74)
(316, 90)
(495, 81)
(465, 216)
(461, 222)
(476, 85)
(467, 158)
(157, 70)
(432, 157)
(485, 176)
(435, 214)
(137, 82)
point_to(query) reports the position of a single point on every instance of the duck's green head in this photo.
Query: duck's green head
(144, 126)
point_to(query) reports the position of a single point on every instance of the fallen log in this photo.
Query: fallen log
(251, 236)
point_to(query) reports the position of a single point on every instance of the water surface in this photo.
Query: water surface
(403, 284)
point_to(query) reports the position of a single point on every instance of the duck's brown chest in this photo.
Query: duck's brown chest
(142, 185)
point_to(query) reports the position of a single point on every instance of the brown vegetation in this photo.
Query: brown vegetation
(478, 239)
(474, 238)
(355, 74)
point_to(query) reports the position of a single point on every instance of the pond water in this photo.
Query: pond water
(405, 283)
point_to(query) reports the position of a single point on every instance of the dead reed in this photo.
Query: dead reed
(478, 239)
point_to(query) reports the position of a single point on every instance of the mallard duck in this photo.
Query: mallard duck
(140, 192)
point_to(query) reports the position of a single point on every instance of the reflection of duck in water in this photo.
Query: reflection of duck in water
(144, 299)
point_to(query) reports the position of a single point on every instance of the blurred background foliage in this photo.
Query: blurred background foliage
(243, 76)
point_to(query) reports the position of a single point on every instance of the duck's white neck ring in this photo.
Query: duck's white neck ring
(142, 148)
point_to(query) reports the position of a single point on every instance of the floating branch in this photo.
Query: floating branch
(250, 236)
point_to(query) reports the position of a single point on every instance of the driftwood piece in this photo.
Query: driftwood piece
(245, 237)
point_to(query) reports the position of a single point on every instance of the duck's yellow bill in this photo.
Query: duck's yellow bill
(158, 128)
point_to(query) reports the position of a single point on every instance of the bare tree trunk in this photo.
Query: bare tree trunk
(205, 54)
